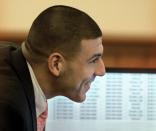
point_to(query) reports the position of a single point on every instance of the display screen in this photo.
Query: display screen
(121, 100)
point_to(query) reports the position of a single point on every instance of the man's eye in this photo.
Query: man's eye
(95, 60)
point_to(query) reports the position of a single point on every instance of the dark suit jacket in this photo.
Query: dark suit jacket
(17, 104)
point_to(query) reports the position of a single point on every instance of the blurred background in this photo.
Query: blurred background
(122, 17)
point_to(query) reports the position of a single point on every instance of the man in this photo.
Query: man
(62, 55)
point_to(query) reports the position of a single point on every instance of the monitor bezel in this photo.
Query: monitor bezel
(130, 70)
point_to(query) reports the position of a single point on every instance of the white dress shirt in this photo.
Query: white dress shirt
(40, 99)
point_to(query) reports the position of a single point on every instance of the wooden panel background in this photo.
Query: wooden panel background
(130, 52)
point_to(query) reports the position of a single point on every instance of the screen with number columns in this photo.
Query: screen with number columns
(117, 101)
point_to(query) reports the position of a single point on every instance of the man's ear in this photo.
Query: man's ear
(56, 63)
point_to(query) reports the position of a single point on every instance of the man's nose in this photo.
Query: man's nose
(100, 69)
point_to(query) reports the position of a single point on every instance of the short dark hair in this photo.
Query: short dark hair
(60, 28)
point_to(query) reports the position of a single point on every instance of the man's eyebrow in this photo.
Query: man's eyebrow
(95, 56)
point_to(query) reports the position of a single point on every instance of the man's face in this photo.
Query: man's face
(79, 73)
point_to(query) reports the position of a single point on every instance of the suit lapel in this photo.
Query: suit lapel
(19, 64)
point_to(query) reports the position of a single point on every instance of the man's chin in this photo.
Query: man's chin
(79, 99)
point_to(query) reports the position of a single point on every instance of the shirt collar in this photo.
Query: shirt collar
(40, 99)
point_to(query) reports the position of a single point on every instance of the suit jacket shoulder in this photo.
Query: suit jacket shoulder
(17, 104)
